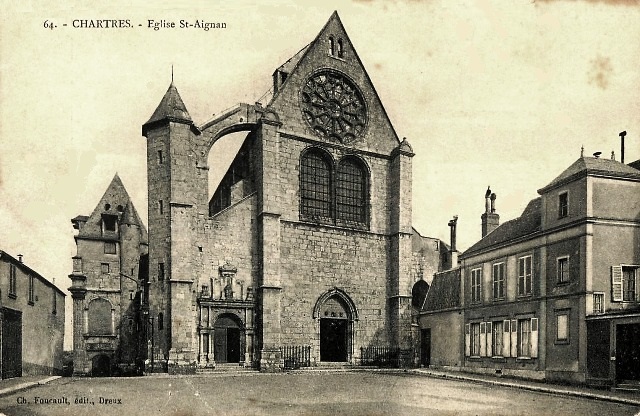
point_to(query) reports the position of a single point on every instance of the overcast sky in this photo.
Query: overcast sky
(500, 93)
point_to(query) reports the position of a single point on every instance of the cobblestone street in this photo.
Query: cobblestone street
(312, 393)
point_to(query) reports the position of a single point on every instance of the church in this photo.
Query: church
(307, 243)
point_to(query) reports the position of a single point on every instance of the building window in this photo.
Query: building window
(109, 247)
(332, 46)
(160, 321)
(628, 284)
(338, 197)
(525, 276)
(498, 281)
(476, 285)
(109, 223)
(160, 271)
(623, 283)
(54, 301)
(563, 270)
(160, 157)
(31, 289)
(350, 191)
(562, 327)
(598, 303)
(524, 338)
(12, 281)
(160, 207)
(475, 339)
(104, 267)
(340, 49)
(563, 205)
(315, 184)
(497, 337)
(527, 338)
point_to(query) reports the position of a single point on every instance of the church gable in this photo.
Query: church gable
(327, 95)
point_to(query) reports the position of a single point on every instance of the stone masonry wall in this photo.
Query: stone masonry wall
(318, 259)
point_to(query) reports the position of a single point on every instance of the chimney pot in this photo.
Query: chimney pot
(20, 258)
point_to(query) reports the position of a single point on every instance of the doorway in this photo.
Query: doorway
(333, 339)
(227, 345)
(11, 343)
(425, 347)
(101, 366)
(628, 352)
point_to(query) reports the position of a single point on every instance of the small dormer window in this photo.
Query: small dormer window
(340, 49)
(563, 205)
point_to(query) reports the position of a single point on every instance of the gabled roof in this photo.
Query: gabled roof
(592, 166)
(444, 292)
(28, 270)
(293, 61)
(526, 224)
(114, 201)
(351, 64)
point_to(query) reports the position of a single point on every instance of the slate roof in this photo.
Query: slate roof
(291, 63)
(171, 108)
(28, 270)
(444, 292)
(526, 224)
(590, 165)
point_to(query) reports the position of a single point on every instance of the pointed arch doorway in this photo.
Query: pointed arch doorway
(336, 313)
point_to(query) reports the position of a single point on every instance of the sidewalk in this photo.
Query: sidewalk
(12, 385)
(577, 391)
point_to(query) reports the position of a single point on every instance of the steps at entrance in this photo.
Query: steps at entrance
(224, 368)
(629, 385)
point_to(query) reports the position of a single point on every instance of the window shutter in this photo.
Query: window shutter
(467, 339)
(506, 338)
(616, 283)
(514, 338)
(489, 339)
(534, 337)
(483, 339)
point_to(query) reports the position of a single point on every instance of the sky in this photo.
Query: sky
(499, 93)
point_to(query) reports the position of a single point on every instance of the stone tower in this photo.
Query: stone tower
(105, 288)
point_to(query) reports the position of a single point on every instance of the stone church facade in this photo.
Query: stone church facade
(307, 241)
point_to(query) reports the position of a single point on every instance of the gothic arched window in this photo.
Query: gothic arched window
(340, 49)
(351, 191)
(315, 186)
(332, 46)
(99, 317)
(419, 294)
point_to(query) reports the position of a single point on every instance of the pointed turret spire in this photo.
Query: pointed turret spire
(171, 108)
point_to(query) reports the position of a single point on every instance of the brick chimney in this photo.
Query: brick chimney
(490, 220)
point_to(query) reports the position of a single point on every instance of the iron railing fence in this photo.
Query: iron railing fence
(296, 356)
(384, 356)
